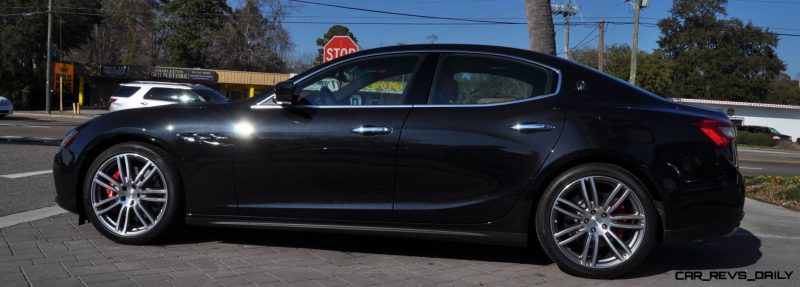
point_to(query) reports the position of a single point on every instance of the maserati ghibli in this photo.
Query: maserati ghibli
(482, 144)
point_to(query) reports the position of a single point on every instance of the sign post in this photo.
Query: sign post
(338, 46)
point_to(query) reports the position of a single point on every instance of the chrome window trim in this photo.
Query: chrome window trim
(260, 105)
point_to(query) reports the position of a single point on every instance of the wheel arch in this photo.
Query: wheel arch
(93, 150)
(560, 165)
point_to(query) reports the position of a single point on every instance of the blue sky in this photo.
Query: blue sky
(780, 14)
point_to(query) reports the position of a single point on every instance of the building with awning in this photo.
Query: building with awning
(783, 118)
(96, 83)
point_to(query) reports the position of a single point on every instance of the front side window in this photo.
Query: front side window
(474, 79)
(377, 81)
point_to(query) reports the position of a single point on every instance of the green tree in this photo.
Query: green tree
(653, 73)
(715, 58)
(784, 90)
(188, 25)
(23, 48)
(335, 30)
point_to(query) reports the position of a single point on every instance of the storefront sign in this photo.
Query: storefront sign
(64, 76)
(184, 74)
(113, 70)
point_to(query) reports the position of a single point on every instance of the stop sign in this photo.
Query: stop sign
(337, 47)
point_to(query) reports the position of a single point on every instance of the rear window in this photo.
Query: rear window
(210, 95)
(125, 91)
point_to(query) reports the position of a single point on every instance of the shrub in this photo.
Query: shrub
(756, 139)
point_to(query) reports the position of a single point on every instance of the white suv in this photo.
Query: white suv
(142, 94)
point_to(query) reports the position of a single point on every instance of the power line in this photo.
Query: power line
(460, 23)
(401, 14)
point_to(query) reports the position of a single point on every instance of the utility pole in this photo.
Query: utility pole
(565, 10)
(635, 45)
(566, 32)
(49, 59)
(601, 49)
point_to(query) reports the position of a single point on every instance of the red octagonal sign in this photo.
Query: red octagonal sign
(337, 47)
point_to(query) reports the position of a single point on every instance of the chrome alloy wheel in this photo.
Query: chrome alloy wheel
(597, 222)
(129, 194)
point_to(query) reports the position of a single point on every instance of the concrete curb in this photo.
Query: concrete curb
(81, 116)
(31, 215)
(30, 140)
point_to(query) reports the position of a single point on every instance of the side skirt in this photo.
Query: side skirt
(448, 234)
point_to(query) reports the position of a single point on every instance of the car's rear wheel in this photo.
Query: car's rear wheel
(596, 220)
(131, 193)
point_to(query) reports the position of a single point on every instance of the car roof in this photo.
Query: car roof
(155, 84)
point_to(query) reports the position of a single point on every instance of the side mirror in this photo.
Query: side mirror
(283, 93)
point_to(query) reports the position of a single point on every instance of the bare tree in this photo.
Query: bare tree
(540, 26)
(252, 39)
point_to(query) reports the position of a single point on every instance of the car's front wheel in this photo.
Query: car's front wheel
(597, 221)
(131, 193)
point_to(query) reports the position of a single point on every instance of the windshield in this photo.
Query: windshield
(210, 95)
(774, 131)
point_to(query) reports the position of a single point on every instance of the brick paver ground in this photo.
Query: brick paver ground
(57, 252)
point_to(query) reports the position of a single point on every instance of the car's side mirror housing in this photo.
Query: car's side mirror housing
(284, 93)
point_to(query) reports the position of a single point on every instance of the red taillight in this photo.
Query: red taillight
(111, 100)
(719, 132)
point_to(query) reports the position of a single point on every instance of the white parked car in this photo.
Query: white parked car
(6, 107)
(142, 94)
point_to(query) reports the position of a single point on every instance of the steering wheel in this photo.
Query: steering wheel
(327, 96)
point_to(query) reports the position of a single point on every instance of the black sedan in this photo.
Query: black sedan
(452, 142)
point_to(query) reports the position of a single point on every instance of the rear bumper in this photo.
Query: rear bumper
(701, 232)
(704, 210)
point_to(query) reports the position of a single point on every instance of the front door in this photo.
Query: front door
(468, 155)
(332, 154)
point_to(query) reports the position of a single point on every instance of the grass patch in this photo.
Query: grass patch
(783, 191)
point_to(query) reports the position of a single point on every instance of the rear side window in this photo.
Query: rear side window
(172, 95)
(476, 79)
(125, 91)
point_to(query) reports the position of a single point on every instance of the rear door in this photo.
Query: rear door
(469, 153)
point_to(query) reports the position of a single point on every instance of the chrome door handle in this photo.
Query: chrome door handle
(143, 103)
(371, 130)
(532, 127)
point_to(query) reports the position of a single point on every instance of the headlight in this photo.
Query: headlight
(68, 138)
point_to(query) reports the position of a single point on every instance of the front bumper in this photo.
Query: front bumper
(65, 176)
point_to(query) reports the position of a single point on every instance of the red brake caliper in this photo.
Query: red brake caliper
(109, 192)
(621, 232)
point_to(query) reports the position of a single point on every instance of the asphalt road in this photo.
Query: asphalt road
(37, 126)
(762, 162)
(26, 192)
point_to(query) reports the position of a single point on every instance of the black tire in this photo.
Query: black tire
(166, 221)
(566, 257)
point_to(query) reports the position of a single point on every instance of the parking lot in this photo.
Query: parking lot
(56, 250)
